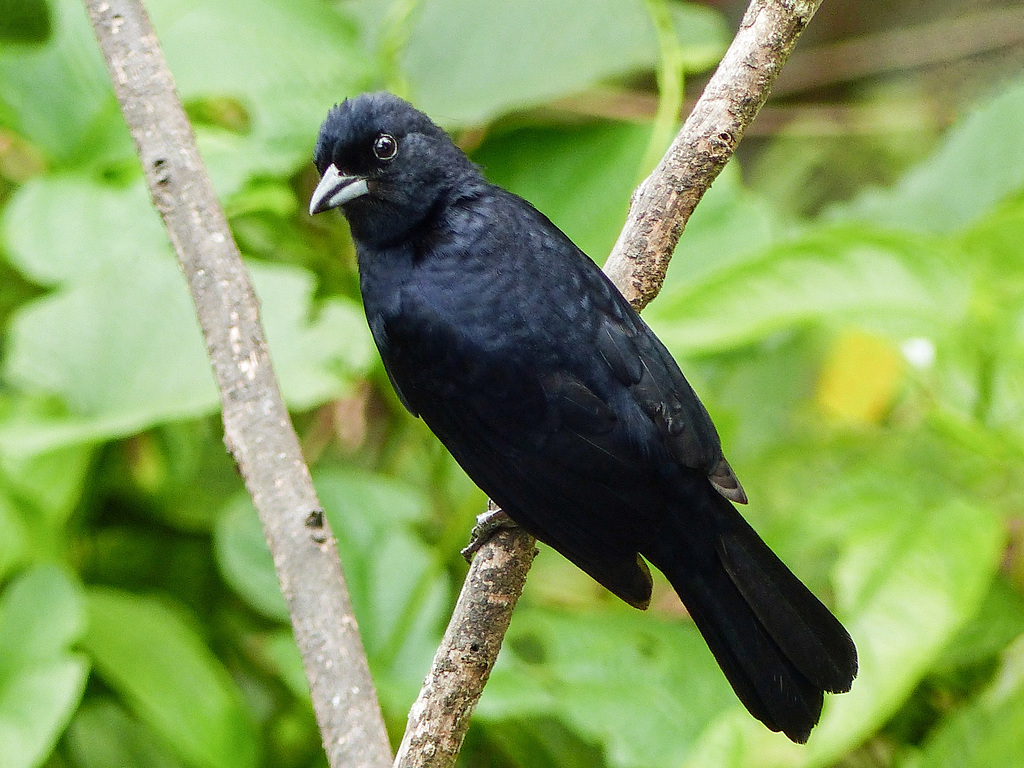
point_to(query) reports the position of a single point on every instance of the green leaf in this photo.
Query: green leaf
(41, 683)
(63, 227)
(134, 357)
(14, 535)
(581, 177)
(24, 21)
(35, 704)
(399, 591)
(244, 560)
(387, 567)
(641, 686)
(909, 584)
(999, 621)
(41, 614)
(515, 56)
(895, 281)
(284, 654)
(987, 732)
(982, 368)
(978, 165)
(57, 94)
(703, 35)
(168, 677)
(318, 349)
(219, 49)
(730, 226)
(541, 743)
(103, 735)
(53, 483)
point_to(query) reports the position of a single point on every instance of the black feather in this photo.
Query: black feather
(559, 401)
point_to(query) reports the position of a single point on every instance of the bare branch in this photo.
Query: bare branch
(659, 211)
(439, 718)
(257, 428)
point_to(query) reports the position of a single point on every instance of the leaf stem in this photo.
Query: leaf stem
(393, 37)
(671, 84)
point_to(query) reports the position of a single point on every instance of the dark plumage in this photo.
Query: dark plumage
(559, 401)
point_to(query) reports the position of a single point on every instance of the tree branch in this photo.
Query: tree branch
(439, 718)
(257, 428)
(659, 210)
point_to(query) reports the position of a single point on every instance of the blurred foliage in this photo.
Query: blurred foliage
(863, 358)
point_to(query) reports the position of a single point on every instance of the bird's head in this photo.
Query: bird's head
(385, 164)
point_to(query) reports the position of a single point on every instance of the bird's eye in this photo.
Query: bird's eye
(385, 147)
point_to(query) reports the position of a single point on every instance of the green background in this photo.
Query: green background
(850, 306)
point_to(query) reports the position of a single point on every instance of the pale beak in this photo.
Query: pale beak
(335, 189)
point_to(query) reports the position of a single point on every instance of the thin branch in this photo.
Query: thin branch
(803, 119)
(439, 718)
(940, 42)
(257, 428)
(660, 208)
(904, 48)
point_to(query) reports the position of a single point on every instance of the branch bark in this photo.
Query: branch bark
(257, 428)
(440, 717)
(658, 213)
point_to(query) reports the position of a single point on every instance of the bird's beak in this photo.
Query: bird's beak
(335, 189)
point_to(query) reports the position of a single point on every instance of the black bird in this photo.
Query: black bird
(561, 404)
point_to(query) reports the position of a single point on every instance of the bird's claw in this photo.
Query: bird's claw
(487, 524)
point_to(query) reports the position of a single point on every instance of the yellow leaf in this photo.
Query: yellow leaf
(860, 378)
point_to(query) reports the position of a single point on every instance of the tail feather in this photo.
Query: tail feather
(778, 645)
(811, 636)
(765, 680)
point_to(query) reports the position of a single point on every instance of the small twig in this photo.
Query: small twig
(257, 428)
(904, 48)
(803, 119)
(660, 208)
(874, 55)
(671, 85)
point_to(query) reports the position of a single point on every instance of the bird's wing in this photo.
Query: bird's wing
(636, 358)
(378, 329)
(640, 362)
(557, 458)
(530, 431)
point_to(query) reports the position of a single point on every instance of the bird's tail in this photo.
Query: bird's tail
(778, 645)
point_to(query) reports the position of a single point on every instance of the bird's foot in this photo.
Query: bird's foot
(487, 524)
